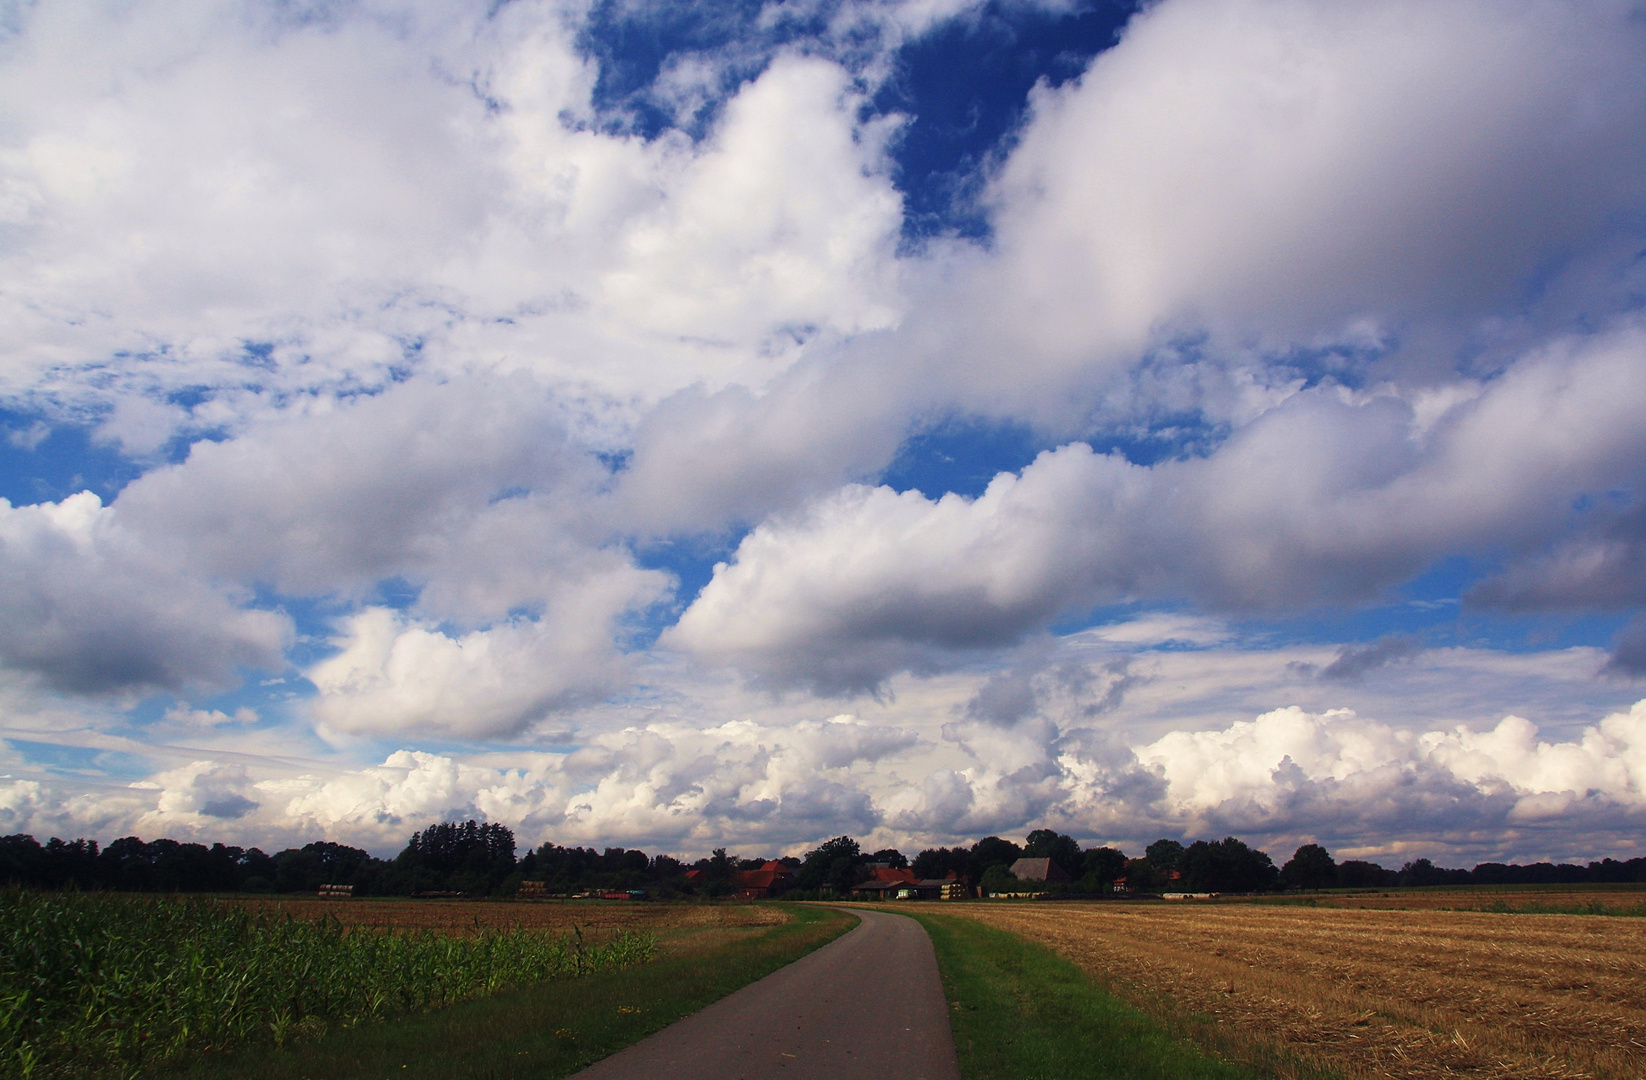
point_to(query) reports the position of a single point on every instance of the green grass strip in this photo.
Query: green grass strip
(1021, 1012)
(538, 1032)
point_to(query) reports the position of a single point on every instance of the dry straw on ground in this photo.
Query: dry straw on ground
(1367, 993)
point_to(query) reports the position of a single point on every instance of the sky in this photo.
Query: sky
(688, 425)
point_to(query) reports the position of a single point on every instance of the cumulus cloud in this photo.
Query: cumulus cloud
(665, 784)
(1287, 168)
(1042, 683)
(334, 499)
(317, 204)
(1288, 766)
(87, 609)
(198, 791)
(394, 674)
(1329, 498)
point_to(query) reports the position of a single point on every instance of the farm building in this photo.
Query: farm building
(892, 884)
(772, 879)
(1039, 870)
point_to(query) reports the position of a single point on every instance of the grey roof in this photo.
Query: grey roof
(1038, 870)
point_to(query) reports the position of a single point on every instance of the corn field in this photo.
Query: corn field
(114, 985)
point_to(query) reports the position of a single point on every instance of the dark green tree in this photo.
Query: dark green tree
(891, 857)
(1164, 856)
(1227, 865)
(999, 878)
(936, 863)
(830, 865)
(1099, 867)
(1050, 844)
(1424, 872)
(467, 857)
(1310, 867)
(992, 851)
(1359, 874)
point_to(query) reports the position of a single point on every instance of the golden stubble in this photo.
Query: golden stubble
(1384, 994)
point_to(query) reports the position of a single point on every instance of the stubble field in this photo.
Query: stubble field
(1366, 993)
(1529, 899)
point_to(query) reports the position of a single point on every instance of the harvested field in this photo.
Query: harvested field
(1385, 994)
(1536, 899)
(592, 917)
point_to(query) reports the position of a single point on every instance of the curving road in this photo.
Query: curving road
(868, 1004)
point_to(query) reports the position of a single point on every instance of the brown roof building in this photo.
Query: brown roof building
(772, 879)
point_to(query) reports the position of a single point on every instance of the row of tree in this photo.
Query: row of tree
(479, 859)
(1227, 865)
(468, 857)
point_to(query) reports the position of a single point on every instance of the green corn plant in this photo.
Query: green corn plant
(115, 985)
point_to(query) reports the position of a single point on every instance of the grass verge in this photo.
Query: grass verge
(539, 1032)
(1021, 1012)
(1592, 907)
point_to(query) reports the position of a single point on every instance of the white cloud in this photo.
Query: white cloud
(1329, 498)
(1417, 760)
(779, 224)
(395, 675)
(1288, 168)
(86, 608)
(1289, 763)
(666, 785)
(424, 481)
(198, 794)
(186, 717)
(369, 191)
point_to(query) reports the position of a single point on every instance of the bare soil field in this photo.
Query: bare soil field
(1366, 993)
(595, 918)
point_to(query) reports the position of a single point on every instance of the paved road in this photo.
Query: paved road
(867, 1005)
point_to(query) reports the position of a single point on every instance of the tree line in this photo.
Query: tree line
(474, 858)
(469, 858)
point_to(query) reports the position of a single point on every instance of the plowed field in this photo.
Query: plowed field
(1385, 994)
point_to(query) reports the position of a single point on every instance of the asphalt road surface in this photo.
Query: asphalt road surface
(867, 1005)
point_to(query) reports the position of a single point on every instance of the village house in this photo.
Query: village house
(772, 879)
(1032, 872)
(887, 883)
(1039, 870)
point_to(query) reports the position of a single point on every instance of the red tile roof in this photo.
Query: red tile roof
(772, 875)
(887, 873)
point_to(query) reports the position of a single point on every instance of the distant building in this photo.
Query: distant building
(772, 879)
(891, 884)
(1039, 870)
(883, 872)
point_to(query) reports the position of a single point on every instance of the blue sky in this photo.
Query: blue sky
(700, 425)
